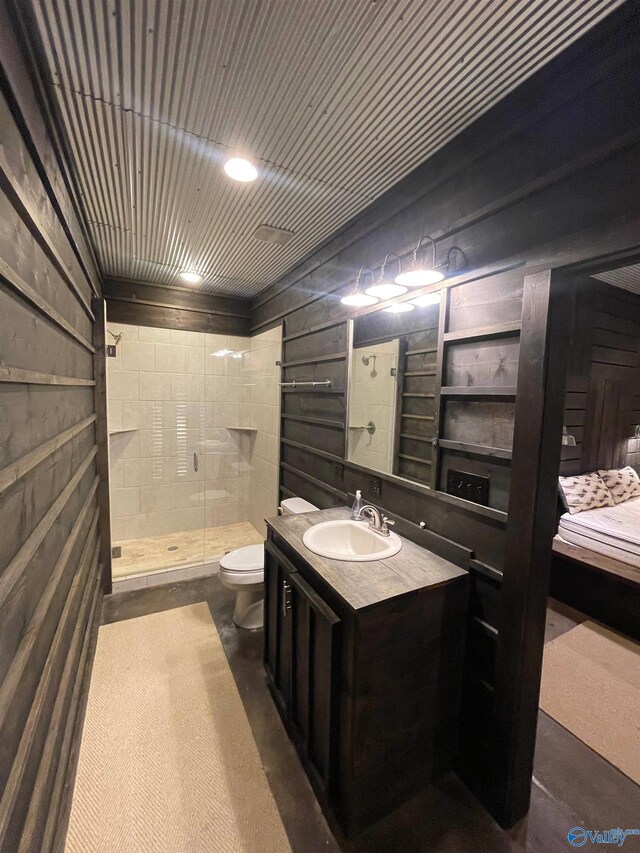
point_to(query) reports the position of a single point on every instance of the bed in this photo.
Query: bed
(613, 531)
(596, 564)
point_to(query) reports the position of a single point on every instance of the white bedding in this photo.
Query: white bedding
(613, 531)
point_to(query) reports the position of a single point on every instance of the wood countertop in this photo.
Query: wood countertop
(363, 584)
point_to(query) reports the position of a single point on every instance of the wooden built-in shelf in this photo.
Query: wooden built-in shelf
(421, 351)
(488, 511)
(477, 449)
(486, 570)
(477, 391)
(315, 359)
(317, 421)
(416, 437)
(338, 493)
(414, 459)
(420, 372)
(323, 454)
(499, 330)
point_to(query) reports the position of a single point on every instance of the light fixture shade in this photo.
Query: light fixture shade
(419, 277)
(241, 170)
(385, 290)
(190, 276)
(421, 273)
(358, 299)
(400, 308)
(426, 299)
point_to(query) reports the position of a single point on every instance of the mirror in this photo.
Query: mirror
(392, 383)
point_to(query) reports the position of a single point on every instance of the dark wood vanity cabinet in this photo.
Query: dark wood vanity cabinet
(301, 644)
(366, 676)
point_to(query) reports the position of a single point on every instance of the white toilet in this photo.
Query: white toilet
(242, 571)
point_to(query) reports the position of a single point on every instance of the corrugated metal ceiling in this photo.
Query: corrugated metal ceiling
(628, 278)
(335, 100)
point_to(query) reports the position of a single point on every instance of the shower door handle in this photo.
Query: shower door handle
(195, 460)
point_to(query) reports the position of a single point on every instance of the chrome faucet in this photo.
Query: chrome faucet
(379, 522)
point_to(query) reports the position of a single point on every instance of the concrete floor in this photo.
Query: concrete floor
(572, 785)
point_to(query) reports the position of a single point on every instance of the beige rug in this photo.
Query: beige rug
(168, 763)
(591, 686)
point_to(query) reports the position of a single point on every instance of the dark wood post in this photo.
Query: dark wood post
(547, 320)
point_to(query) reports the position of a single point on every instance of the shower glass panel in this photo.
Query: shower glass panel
(228, 443)
(157, 433)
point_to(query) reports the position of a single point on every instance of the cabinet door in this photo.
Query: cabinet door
(276, 652)
(314, 682)
(302, 662)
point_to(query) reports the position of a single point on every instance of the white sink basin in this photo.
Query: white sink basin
(350, 540)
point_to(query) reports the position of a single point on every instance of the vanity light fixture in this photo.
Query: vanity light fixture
(421, 273)
(400, 308)
(190, 276)
(426, 299)
(358, 299)
(241, 170)
(384, 287)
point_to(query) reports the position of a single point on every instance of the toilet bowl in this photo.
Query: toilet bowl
(242, 571)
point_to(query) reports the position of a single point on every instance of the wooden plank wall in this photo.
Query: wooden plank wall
(50, 591)
(602, 403)
(545, 179)
(147, 304)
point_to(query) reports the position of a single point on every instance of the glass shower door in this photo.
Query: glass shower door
(156, 412)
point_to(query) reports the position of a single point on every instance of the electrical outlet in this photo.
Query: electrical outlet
(375, 487)
(469, 487)
(116, 551)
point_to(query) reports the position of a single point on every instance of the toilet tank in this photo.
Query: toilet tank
(294, 506)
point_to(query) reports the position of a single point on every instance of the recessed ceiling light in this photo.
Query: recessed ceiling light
(190, 277)
(241, 170)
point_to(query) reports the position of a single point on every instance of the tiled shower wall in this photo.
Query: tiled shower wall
(177, 392)
(171, 393)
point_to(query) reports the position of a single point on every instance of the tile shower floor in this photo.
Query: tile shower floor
(191, 547)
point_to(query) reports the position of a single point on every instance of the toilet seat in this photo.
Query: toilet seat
(250, 558)
(238, 579)
(242, 571)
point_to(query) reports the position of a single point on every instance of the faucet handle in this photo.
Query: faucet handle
(386, 524)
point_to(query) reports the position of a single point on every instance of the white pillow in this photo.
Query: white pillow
(623, 483)
(585, 491)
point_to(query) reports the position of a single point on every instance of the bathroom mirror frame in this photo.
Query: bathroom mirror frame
(427, 485)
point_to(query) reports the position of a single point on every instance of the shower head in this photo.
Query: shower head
(367, 358)
(116, 338)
